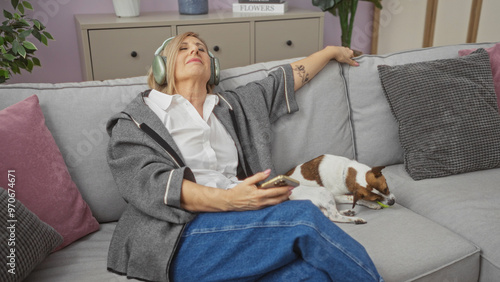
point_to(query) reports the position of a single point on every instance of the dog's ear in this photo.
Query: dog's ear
(378, 170)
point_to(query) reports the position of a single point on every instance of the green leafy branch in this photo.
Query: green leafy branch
(16, 51)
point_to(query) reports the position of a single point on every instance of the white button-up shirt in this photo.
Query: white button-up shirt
(205, 145)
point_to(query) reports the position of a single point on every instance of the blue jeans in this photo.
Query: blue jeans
(292, 241)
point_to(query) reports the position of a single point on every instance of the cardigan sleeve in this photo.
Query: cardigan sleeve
(273, 95)
(145, 176)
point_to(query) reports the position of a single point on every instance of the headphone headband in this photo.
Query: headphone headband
(158, 51)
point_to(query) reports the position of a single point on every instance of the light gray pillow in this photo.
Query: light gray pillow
(26, 240)
(447, 114)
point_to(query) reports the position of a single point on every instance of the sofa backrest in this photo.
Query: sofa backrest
(375, 129)
(76, 114)
(322, 124)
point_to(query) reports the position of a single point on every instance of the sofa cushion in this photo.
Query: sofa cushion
(375, 129)
(405, 246)
(42, 182)
(494, 53)
(26, 240)
(83, 261)
(320, 126)
(76, 114)
(466, 204)
(447, 114)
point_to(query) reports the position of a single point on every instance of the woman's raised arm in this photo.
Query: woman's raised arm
(304, 70)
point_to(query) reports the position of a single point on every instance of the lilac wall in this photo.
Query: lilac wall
(61, 60)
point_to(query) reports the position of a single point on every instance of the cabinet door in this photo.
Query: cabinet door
(127, 52)
(230, 42)
(276, 40)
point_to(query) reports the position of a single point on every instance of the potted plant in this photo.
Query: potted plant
(345, 10)
(16, 51)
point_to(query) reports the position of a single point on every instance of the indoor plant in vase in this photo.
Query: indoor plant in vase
(16, 52)
(345, 10)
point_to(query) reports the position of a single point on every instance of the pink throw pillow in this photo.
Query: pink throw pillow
(41, 179)
(494, 53)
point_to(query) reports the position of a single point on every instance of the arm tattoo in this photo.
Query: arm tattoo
(301, 71)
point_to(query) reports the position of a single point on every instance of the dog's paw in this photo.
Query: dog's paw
(348, 212)
(360, 221)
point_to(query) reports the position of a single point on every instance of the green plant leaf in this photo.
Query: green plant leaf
(48, 35)
(24, 22)
(7, 14)
(36, 62)
(37, 35)
(30, 46)
(15, 68)
(14, 3)
(37, 24)
(29, 66)
(21, 51)
(25, 33)
(9, 57)
(27, 5)
(44, 40)
(4, 75)
(15, 47)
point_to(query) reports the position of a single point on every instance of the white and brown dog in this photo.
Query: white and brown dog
(328, 180)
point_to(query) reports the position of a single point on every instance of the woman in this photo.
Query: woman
(194, 210)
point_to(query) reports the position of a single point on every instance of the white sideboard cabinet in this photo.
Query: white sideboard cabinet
(112, 47)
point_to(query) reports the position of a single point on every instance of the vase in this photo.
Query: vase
(193, 7)
(127, 8)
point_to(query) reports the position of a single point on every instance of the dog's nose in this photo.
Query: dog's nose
(391, 202)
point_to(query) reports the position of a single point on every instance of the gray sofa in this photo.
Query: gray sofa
(440, 229)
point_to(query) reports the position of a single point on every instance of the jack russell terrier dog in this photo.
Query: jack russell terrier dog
(328, 179)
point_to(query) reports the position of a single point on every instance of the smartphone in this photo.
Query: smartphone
(280, 181)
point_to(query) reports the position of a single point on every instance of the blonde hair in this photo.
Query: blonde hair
(170, 51)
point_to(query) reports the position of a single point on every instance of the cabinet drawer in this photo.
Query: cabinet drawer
(277, 40)
(230, 43)
(126, 52)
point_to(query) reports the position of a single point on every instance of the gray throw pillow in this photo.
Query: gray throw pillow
(447, 114)
(26, 240)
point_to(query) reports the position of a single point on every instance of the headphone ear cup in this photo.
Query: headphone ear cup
(159, 67)
(215, 71)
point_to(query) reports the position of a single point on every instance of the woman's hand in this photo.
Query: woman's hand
(343, 55)
(246, 195)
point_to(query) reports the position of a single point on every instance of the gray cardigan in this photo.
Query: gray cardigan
(147, 177)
